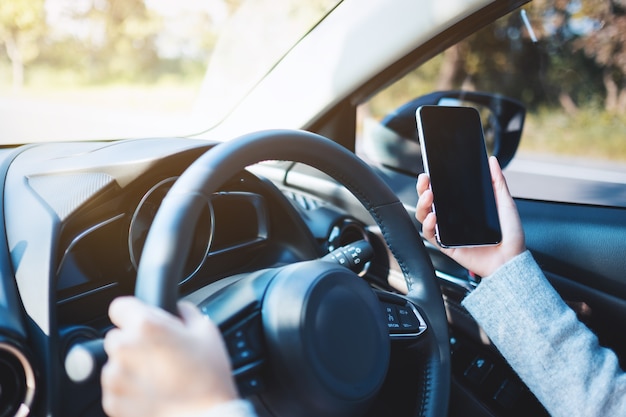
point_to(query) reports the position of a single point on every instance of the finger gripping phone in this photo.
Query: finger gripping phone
(455, 158)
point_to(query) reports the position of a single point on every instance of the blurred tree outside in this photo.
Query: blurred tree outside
(551, 71)
(22, 26)
(136, 68)
(570, 74)
(96, 42)
(128, 41)
(120, 43)
(606, 45)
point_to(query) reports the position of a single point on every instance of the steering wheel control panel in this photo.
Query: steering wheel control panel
(403, 318)
(246, 350)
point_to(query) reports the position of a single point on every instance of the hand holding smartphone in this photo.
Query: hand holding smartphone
(455, 158)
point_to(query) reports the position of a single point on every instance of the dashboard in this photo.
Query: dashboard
(77, 216)
(85, 224)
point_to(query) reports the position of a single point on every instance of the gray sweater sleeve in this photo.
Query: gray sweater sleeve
(555, 354)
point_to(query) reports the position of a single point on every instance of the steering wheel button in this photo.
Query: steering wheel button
(245, 354)
(249, 384)
(341, 258)
(392, 316)
(236, 345)
(478, 370)
(408, 320)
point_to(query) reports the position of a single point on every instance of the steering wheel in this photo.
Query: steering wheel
(312, 338)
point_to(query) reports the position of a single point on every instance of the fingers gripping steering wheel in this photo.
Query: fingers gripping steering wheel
(319, 333)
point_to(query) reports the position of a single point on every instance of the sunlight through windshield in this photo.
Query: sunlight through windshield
(110, 69)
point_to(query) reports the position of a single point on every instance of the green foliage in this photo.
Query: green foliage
(98, 42)
(550, 131)
(121, 42)
(565, 78)
(572, 80)
(22, 24)
(20, 15)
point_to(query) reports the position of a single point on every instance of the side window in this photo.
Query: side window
(560, 59)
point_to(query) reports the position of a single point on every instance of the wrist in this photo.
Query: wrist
(505, 261)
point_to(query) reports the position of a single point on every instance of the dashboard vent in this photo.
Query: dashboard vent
(17, 382)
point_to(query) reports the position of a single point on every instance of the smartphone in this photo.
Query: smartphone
(455, 158)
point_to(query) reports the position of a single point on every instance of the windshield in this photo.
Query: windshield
(110, 69)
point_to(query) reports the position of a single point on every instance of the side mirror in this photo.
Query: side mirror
(502, 118)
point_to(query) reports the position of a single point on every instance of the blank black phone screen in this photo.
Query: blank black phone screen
(455, 157)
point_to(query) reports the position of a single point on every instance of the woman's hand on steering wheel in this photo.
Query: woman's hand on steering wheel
(161, 365)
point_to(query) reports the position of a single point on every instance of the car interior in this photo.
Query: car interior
(302, 244)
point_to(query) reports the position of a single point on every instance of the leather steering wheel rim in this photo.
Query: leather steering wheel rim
(168, 239)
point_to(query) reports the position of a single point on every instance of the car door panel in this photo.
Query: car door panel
(581, 250)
